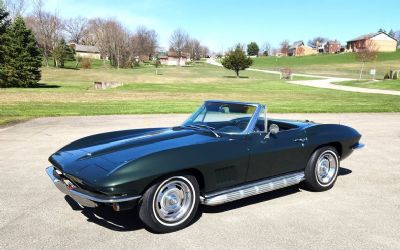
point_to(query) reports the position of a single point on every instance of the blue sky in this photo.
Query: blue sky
(221, 24)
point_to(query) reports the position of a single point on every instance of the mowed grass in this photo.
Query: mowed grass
(386, 84)
(340, 65)
(174, 90)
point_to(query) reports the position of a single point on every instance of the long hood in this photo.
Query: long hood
(92, 158)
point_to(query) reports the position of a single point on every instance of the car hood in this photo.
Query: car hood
(92, 158)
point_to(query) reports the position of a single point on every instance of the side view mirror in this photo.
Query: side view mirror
(273, 129)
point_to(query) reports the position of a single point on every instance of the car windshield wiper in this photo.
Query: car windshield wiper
(201, 126)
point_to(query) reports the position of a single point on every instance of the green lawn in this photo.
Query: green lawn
(343, 65)
(385, 84)
(174, 90)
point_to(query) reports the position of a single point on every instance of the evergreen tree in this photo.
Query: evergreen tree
(63, 53)
(4, 42)
(253, 49)
(23, 61)
(236, 60)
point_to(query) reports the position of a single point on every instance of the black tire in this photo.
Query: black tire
(160, 201)
(314, 174)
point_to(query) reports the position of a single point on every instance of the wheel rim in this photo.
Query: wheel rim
(174, 201)
(326, 168)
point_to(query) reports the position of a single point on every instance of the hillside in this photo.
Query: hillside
(344, 65)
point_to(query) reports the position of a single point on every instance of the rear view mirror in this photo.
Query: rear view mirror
(273, 129)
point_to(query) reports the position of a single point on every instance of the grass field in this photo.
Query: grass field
(174, 90)
(343, 65)
(386, 84)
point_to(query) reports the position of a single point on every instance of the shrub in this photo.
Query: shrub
(86, 63)
(396, 75)
(386, 76)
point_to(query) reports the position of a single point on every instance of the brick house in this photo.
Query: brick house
(333, 46)
(382, 41)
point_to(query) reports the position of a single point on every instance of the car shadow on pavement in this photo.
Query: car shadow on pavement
(106, 217)
(129, 220)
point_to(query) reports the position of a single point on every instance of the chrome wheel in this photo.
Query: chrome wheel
(327, 167)
(174, 201)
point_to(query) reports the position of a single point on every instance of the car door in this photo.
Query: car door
(277, 154)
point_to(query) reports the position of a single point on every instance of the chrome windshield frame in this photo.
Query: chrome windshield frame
(253, 120)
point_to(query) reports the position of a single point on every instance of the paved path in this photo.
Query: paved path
(360, 212)
(325, 82)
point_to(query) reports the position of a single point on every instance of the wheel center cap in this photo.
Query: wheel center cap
(173, 201)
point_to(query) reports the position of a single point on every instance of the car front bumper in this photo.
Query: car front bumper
(87, 198)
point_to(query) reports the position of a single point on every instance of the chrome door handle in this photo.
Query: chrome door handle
(302, 140)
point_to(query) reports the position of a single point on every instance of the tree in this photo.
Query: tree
(157, 63)
(367, 54)
(47, 28)
(397, 36)
(63, 53)
(317, 41)
(76, 28)
(16, 8)
(392, 33)
(145, 43)
(382, 30)
(237, 60)
(24, 58)
(4, 43)
(266, 48)
(252, 49)
(285, 47)
(178, 41)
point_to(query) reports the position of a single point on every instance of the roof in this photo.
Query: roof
(370, 35)
(85, 48)
(296, 44)
(174, 54)
(332, 42)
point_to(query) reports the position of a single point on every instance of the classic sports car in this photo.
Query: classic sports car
(225, 151)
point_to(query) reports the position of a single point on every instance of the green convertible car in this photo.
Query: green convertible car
(223, 152)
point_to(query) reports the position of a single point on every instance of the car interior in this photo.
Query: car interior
(240, 124)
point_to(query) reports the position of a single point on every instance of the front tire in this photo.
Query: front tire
(170, 204)
(322, 169)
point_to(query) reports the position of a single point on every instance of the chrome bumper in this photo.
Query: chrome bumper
(84, 197)
(358, 146)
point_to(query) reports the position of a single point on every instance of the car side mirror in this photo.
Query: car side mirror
(273, 129)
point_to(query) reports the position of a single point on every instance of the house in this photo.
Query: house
(382, 41)
(333, 46)
(172, 58)
(86, 51)
(300, 49)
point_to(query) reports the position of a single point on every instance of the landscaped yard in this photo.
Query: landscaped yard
(174, 90)
(341, 65)
(385, 84)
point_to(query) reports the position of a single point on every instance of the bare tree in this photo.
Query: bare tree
(178, 41)
(47, 28)
(16, 8)
(285, 47)
(145, 43)
(266, 48)
(204, 51)
(317, 41)
(193, 48)
(76, 28)
(368, 53)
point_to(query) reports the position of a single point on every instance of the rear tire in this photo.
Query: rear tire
(170, 204)
(322, 169)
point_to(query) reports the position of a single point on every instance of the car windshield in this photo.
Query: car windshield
(222, 117)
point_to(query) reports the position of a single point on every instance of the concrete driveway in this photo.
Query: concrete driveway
(361, 211)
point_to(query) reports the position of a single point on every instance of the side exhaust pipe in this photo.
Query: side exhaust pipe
(250, 189)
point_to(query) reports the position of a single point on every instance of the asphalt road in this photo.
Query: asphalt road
(361, 211)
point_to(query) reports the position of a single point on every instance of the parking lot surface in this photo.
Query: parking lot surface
(361, 211)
